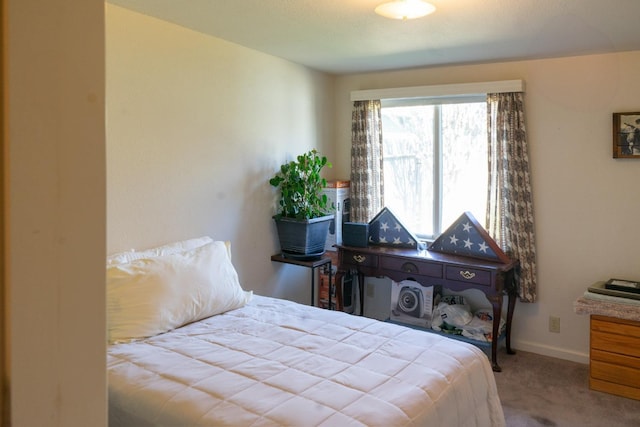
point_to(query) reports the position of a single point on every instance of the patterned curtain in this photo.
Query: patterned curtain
(510, 204)
(366, 160)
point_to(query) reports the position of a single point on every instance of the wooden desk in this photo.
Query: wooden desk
(614, 352)
(432, 268)
(615, 356)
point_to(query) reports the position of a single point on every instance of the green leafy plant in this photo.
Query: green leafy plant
(301, 185)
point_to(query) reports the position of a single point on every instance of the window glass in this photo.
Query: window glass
(408, 153)
(435, 162)
(465, 161)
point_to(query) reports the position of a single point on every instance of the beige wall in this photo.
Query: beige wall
(585, 203)
(195, 127)
(56, 212)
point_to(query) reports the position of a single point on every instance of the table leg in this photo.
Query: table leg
(496, 303)
(338, 285)
(511, 304)
(361, 292)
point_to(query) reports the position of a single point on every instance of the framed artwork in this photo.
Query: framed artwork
(626, 135)
(623, 285)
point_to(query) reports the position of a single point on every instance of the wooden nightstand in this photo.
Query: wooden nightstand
(312, 264)
(615, 356)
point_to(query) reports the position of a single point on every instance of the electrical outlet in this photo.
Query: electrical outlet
(554, 324)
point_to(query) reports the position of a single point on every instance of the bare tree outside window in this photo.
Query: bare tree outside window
(435, 164)
(465, 161)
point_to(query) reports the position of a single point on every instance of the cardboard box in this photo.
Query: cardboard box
(348, 286)
(377, 294)
(338, 196)
(323, 291)
(412, 303)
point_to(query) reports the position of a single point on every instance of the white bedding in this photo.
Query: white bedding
(274, 362)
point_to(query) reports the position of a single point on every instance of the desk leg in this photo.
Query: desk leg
(496, 303)
(338, 284)
(361, 293)
(511, 305)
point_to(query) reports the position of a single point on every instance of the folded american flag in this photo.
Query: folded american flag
(386, 230)
(466, 237)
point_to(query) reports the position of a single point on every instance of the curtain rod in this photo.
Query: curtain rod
(439, 90)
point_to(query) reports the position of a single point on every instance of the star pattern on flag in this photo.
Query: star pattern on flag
(386, 230)
(466, 237)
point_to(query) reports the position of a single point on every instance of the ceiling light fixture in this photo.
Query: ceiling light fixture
(405, 9)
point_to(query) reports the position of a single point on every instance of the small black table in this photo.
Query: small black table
(312, 264)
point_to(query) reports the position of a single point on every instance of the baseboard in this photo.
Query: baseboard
(546, 350)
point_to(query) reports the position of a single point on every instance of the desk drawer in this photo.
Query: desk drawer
(469, 275)
(359, 259)
(614, 373)
(616, 336)
(420, 268)
(627, 328)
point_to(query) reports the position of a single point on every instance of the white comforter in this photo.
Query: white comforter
(274, 362)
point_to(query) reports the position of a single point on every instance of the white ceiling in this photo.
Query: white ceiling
(346, 36)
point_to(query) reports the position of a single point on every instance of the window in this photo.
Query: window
(435, 161)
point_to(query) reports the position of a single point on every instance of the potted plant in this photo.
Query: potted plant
(303, 218)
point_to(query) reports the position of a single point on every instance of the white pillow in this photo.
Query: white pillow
(153, 295)
(168, 249)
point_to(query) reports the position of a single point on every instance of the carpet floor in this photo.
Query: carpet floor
(538, 391)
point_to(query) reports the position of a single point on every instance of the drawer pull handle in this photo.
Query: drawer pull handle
(467, 274)
(359, 258)
(409, 267)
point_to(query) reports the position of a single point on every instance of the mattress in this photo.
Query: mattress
(275, 362)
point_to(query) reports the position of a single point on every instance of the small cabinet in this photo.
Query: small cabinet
(615, 356)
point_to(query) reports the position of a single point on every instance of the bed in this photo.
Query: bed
(176, 358)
